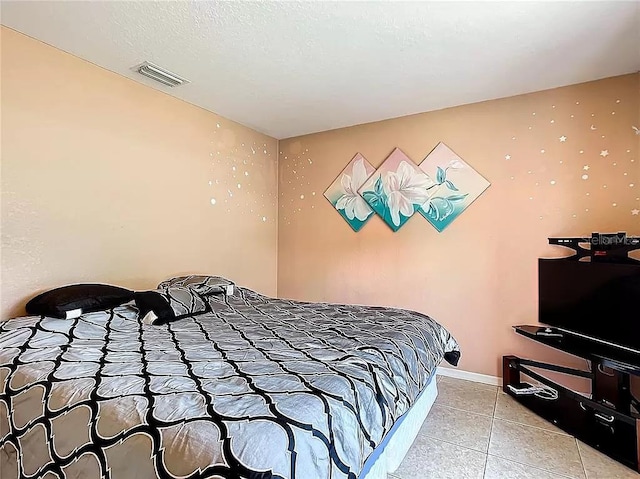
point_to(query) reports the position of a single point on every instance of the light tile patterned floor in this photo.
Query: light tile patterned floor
(476, 431)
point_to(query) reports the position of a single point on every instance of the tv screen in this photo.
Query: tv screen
(600, 300)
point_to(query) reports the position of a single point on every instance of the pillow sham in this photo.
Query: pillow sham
(168, 304)
(68, 302)
(202, 284)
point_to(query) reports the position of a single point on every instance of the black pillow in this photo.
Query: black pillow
(165, 305)
(71, 301)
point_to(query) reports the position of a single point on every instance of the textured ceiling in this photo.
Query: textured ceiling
(290, 68)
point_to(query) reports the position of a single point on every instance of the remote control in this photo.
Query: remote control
(549, 333)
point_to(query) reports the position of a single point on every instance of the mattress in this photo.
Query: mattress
(255, 387)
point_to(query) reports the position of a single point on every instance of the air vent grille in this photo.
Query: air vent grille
(160, 74)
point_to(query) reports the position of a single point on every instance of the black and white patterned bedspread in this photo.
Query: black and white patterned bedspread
(255, 388)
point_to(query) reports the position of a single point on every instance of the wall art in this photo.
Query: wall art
(343, 192)
(397, 189)
(454, 187)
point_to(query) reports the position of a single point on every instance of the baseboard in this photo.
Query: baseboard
(469, 376)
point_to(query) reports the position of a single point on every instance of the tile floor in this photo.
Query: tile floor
(477, 431)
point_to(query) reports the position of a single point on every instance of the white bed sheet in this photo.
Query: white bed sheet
(401, 437)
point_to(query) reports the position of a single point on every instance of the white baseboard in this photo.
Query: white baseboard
(469, 376)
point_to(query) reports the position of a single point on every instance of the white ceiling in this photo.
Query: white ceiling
(290, 68)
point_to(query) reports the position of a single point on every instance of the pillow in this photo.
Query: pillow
(203, 285)
(71, 301)
(165, 305)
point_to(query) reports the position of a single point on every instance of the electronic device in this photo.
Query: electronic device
(549, 333)
(594, 299)
(526, 389)
(522, 389)
(600, 247)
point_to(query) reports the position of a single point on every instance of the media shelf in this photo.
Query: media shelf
(580, 346)
(608, 419)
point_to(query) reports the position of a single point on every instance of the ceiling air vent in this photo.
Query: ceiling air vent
(160, 74)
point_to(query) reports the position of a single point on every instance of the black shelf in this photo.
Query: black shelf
(608, 418)
(584, 348)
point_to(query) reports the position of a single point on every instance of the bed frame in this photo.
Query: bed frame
(391, 452)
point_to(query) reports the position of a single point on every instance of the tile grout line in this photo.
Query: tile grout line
(484, 469)
(535, 427)
(561, 433)
(509, 421)
(486, 454)
(454, 444)
(493, 418)
(550, 471)
(558, 432)
(463, 410)
(495, 408)
(533, 467)
(584, 468)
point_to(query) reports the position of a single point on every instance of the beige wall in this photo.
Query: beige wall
(479, 276)
(107, 180)
(104, 179)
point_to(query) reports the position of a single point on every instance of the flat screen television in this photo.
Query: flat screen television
(598, 300)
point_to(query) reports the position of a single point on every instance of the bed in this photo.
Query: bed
(255, 387)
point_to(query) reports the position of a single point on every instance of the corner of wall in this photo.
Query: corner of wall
(277, 217)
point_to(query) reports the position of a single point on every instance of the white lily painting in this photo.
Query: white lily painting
(397, 190)
(343, 192)
(456, 185)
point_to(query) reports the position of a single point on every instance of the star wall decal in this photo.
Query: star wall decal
(604, 153)
(635, 212)
(586, 167)
(635, 128)
(507, 157)
(562, 139)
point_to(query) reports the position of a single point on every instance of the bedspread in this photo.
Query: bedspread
(255, 388)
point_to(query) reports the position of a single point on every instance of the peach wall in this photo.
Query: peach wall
(479, 276)
(104, 179)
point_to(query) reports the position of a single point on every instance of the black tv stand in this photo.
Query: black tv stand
(609, 418)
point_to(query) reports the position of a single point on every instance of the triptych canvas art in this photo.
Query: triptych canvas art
(439, 189)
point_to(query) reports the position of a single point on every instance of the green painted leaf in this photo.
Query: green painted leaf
(378, 186)
(370, 196)
(440, 208)
(457, 197)
(441, 176)
(432, 212)
(451, 186)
